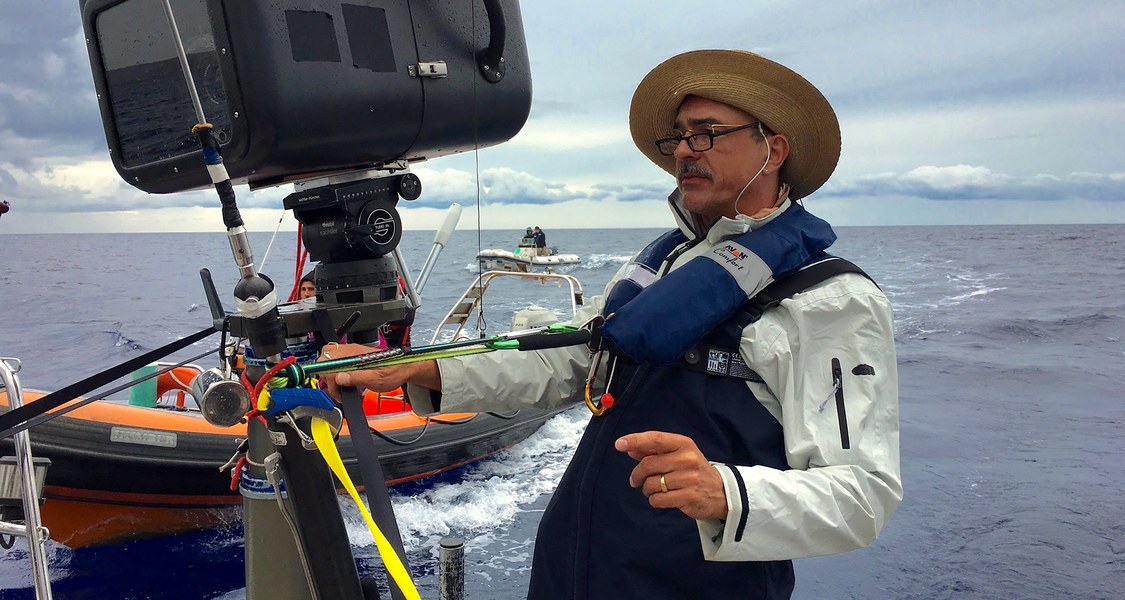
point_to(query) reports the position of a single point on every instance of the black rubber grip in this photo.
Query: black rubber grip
(554, 340)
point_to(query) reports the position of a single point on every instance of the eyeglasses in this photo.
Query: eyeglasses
(698, 142)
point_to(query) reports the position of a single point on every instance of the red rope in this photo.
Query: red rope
(302, 258)
(235, 473)
(285, 362)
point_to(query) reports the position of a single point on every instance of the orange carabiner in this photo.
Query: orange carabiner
(606, 400)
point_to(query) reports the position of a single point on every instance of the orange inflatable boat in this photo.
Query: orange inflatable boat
(121, 472)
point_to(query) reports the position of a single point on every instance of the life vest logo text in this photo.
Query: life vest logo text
(732, 255)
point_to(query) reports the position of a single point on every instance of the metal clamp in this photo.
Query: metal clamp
(293, 416)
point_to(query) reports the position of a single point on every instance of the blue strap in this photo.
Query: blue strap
(283, 399)
(659, 323)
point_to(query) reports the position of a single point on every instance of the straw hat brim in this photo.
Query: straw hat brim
(783, 100)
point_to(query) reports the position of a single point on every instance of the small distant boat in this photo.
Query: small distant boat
(526, 258)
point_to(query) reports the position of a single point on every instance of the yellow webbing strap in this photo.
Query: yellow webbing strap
(264, 399)
(322, 435)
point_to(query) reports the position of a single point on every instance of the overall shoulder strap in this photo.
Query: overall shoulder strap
(798, 281)
(715, 357)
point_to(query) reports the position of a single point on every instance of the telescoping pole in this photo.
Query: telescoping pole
(296, 542)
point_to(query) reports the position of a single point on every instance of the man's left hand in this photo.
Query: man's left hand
(691, 483)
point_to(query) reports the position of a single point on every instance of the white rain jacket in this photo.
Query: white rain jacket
(831, 500)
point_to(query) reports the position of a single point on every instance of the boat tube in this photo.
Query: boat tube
(121, 472)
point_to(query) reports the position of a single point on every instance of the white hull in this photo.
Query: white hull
(494, 259)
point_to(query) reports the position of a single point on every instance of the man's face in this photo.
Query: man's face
(711, 180)
(307, 290)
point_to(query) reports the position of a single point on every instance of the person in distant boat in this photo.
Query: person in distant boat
(730, 436)
(307, 287)
(528, 238)
(540, 242)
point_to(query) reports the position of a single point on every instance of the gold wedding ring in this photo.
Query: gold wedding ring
(663, 485)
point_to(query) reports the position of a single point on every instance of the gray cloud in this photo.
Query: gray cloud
(1027, 93)
(963, 182)
(46, 90)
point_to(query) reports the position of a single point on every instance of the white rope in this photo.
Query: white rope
(267, 254)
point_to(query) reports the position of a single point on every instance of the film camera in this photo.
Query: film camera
(299, 90)
(336, 97)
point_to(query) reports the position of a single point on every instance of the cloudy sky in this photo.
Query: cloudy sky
(952, 113)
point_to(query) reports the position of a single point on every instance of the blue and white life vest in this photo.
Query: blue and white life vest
(656, 319)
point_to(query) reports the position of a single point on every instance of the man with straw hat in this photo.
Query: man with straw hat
(730, 436)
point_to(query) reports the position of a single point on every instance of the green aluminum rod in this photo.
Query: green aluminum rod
(398, 356)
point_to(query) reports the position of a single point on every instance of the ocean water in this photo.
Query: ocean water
(1011, 346)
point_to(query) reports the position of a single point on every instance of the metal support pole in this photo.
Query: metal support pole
(195, 103)
(34, 531)
(440, 238)
(407, 282)
(452, 568)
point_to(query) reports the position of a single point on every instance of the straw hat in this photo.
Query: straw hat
(783, 100)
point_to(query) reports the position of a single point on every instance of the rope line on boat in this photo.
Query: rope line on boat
(301, 259)
(392, 440)
(39, 420)
(273, 238)
(15, 421)
(275, 476)
(439, 421)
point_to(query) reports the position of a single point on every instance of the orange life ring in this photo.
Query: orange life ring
(178, 379)
(384, 403)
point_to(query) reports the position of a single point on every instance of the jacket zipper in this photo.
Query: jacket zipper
(838, 381)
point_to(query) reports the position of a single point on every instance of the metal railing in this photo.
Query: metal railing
(32, 527)
(470, 301)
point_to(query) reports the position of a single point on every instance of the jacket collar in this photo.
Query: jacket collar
(695, 226)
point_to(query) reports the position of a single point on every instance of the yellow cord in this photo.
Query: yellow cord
(322, 435)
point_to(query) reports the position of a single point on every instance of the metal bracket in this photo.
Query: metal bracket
(434, 69)
(297, 414)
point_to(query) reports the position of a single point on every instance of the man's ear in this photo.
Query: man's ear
(779, 151)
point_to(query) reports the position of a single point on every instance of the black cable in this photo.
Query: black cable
(400, 442)
(43, 418)
(439, 421)
(14, 420)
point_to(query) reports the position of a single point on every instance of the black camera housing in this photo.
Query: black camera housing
(297, 90)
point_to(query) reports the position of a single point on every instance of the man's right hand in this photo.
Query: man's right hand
(380, 379)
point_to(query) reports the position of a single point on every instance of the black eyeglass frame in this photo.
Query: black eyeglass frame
(667, 146)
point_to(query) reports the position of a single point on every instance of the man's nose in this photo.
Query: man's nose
(683, 150)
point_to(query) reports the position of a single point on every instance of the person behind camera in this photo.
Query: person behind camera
(723, 447)
(307, 287)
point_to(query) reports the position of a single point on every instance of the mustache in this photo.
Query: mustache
(691, 169)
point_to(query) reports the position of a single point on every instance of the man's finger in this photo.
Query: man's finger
(647, 443)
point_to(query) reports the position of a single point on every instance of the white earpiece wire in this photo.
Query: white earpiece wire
(763, 168)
